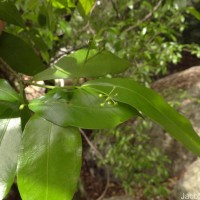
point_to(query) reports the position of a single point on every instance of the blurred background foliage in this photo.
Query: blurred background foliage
(151, 34)
(133, 160)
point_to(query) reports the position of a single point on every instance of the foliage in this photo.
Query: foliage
(46, 152)
(147, 33)
(133, 160)
(144, 32)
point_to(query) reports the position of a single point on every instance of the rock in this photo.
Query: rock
(173, 87)
(181, 80)
(185, 165)
(189, 184)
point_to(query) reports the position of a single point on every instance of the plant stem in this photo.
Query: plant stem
(100, 156)
(50, 86)
(21, 90)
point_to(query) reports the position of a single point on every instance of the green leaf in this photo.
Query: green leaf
(9, 101)
(85, 63)
(81, 108)
(7, 107)
(7, 93)
(151, 104)
(63, 4)
(49, 162)
(25, 115)
(85, 6)
(10, 14)
(194, 12)
(19, 55)
(10, 136)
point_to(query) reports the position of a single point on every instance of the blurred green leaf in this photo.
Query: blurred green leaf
(49, 162)
(10, 14)
(85, 63)
(19, 55)
(81, 108)
(10, 137)
(151, 104)
(85, 7)
(63, 4)
(193, 11)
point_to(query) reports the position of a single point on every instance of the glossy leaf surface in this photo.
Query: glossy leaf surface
(10, 137)
(49, 162)
(151, 104)
(9, 13)
(81, 108)
(19, 55)
(84, 63)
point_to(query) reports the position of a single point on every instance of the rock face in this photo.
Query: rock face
(189, 184)
(183, 87)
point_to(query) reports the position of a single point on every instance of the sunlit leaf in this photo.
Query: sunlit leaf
(49, 162)
(151, 104)
(85, 7)
(193, 11)
(63, 4)
(10, 136)
(84, 63)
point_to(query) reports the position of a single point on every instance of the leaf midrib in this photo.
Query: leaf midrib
(168, 119)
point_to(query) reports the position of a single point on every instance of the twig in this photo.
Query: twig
(116, 9)
(9, 74)
(147, 17)
(100, 156)
(13, 72)
(61, 52)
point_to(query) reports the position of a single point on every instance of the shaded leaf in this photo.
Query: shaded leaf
(81, 108)
(19, 55)
(7, 93)
(7, 107)
(49, 162)
(25, 115)
(151, 104)
(10, 136)
(84, 63)
(10, 14)
(9, 101)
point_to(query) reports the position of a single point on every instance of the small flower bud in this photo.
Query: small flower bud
(21, 107)
(102, 104)
(109, 102)
(100, 95)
